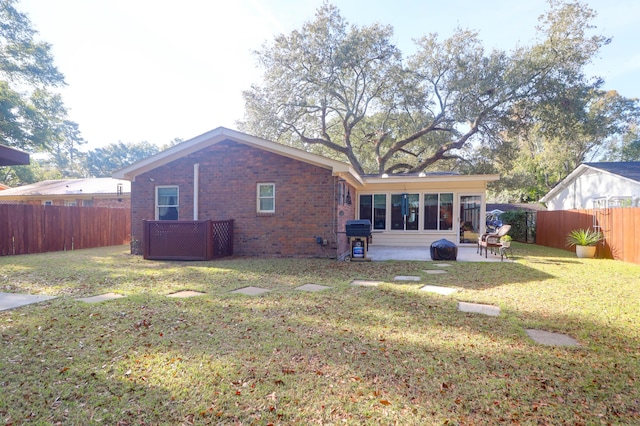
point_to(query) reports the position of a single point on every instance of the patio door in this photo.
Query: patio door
(469, 219)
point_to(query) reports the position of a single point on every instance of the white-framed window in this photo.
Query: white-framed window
(266, 198)
(71, 203)
(47, 203)
(167, 202)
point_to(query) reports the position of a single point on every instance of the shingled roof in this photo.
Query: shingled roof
(627, 169)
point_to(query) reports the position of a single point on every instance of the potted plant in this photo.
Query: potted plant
(506, 241)
(585, 241)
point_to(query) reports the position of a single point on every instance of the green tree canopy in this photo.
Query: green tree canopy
(346, 91)
(102, 162)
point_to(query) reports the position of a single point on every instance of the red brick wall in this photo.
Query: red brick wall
(305, 206)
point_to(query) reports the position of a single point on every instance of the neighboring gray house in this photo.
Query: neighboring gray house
(606, 184)
(90, 192)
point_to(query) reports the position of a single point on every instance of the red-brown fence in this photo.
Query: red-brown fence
(620, 226)
(26, 229)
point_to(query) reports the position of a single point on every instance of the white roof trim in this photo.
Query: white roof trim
(564, 183)
(221, 134)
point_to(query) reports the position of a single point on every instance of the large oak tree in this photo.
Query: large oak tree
(347, 91)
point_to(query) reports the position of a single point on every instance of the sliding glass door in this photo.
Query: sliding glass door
(470, 220)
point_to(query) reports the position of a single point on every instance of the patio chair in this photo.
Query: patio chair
(492, 240)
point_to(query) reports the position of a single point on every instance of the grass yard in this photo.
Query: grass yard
(390, 354)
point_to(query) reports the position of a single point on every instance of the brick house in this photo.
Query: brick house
(288, 202)
(93, 192)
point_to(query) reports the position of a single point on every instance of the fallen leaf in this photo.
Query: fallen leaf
(384, 402)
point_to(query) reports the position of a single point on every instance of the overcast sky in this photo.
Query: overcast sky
(154, 70)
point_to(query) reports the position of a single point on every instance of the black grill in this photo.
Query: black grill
(358, 228)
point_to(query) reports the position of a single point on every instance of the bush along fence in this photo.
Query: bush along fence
(620, 227)
(523, 225)
(27, 229)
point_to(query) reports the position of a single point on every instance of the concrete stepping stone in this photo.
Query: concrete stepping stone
(15, 300)
(312, 287)
(251, 291)
(551, 339)
(442, 265)
(445, 291)
(185, 293)
(365, 283)
(406, 278)
(435, 271)
(478, 308)
(101, 297)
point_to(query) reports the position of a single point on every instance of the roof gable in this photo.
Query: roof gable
(338, 168)
(221, 134)
(626, 170)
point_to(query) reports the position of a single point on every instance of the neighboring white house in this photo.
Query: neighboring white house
(606, 184)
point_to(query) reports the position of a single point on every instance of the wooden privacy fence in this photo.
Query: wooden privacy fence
(27, 229)
(187, 239)
(620, 226)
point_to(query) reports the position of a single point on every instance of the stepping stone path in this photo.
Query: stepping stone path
(312, 287)
(185, 294)
(441, 265)
(15, 300)
(446, 291)
(551, 339)
(477, 308)
(406, 278)
(101, 297)
(251, 291)
(365, 283)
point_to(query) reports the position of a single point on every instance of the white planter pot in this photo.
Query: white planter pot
(506, 244)
(585, 252)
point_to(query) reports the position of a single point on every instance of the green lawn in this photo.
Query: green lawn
(349, 355)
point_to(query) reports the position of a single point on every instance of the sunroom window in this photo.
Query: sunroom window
(374, 208)
(438, 212)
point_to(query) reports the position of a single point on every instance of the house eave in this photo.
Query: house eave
(12, 157)
(430, 178)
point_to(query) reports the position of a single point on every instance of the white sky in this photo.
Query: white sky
(154, 70)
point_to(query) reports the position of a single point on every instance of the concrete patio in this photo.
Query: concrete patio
(465, 254)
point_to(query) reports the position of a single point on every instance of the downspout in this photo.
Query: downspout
(196, 184)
